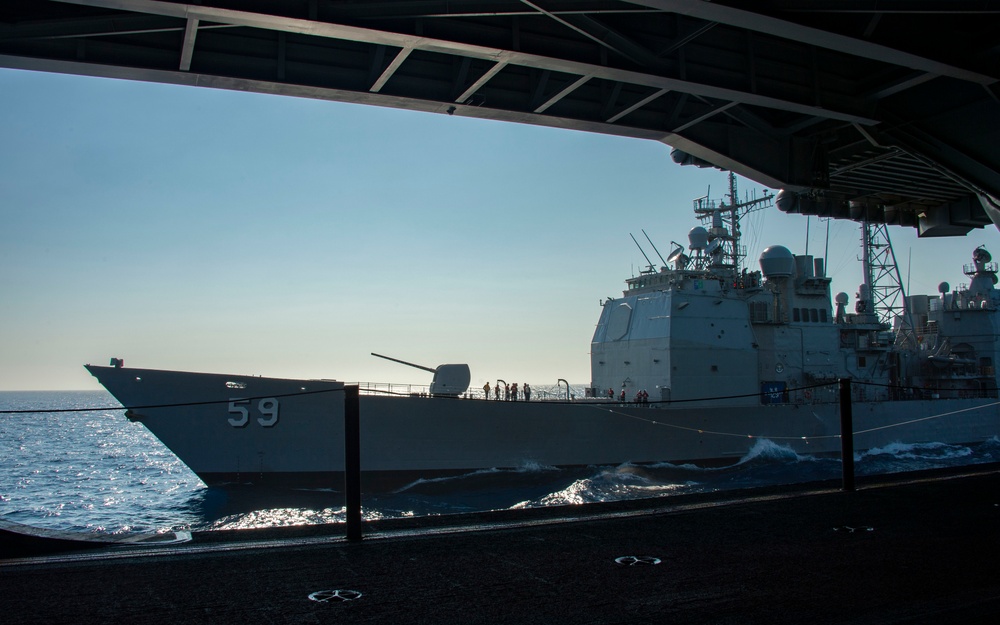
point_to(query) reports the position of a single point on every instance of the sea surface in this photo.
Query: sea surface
(98, 472)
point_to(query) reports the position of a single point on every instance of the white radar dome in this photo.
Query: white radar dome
(842, 298)
(777, 262)
(698, 237)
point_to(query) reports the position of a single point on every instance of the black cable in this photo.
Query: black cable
(181, 405)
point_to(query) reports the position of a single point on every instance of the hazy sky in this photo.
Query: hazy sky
(205, 230)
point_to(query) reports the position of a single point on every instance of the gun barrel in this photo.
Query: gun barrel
(403, 362)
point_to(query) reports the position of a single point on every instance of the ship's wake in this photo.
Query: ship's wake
(533, 485)
(768, 463)
(476, 480)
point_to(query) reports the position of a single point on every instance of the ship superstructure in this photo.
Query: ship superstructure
(952, 347)
(704, 328)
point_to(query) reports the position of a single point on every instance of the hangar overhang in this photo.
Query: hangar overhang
(886, 112)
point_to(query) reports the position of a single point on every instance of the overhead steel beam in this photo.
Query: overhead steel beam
(774, 91)
(187, 48)
(683, 41)
(396, 63)
(125, 25)
(193, 79)
(915, 79)
(579, 82)
(638, 105)
(485, 78)
(581, 31)
(977, 175)
(697, 120)
(414, 42)
(635, 54)
(740, 18)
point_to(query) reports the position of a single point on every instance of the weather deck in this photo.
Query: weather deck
(909, 548)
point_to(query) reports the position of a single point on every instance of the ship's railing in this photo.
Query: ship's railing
(541, 392)
(391, 388)
(820, 393)
(971, 269)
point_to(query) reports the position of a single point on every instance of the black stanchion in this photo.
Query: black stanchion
(846, 434)
(352, 461)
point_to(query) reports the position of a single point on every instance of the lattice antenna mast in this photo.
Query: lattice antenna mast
(722, 221)
(881, 273)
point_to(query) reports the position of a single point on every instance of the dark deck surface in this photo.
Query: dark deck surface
(920, 548)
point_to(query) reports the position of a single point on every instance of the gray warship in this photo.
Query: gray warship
(697, 361)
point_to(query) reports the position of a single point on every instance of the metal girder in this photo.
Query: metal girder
(187, 48)
(601, 35)
(426, 44)
(751, 20)
(579, 82)
(844, 99)
(485, 78)
(389, 71)
(635, 107)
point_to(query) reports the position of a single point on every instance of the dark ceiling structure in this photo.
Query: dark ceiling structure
(884, 111)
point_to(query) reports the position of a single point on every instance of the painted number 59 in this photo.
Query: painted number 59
(267, 407)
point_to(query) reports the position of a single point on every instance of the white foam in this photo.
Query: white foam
(919, 451)
(769, 450)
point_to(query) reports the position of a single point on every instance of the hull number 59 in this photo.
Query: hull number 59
(267, 408)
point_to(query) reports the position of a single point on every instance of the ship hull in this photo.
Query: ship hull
(239, 429)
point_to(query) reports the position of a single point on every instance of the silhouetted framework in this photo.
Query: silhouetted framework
(886, 112)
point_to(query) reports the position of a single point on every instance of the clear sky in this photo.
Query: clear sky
(207, 230)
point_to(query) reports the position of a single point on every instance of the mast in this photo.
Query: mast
(734, 221)
(882, 279)
(723, 223)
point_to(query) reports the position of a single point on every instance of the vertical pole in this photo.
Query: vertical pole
(846, 434)
(352, 461)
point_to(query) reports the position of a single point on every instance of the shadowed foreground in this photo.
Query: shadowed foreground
(906, 549)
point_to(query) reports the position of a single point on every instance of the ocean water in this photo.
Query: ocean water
(97, 472)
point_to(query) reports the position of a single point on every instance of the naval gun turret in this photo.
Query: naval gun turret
(449, 380)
